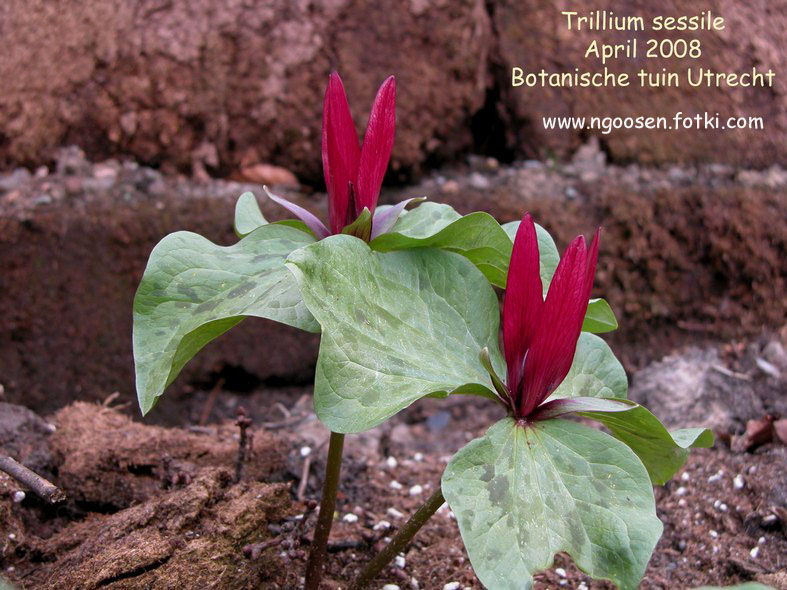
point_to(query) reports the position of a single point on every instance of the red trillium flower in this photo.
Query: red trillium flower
(540, 335)
(354, 173)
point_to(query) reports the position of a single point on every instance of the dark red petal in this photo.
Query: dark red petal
(557, 331)
(377, 146)
(523, 300)
(340, 151)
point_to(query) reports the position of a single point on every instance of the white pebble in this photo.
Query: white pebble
(18, 496)
(11, 536)
(563, 583)
(685, 476)
(738, 482)
(760, 541)
(414, 584)
(681, 502)
(350, 517)
(399, 561)
(382, 525)
(716, 477)
(395, 513)
(418, 456)
(390, 587)
(416, 489)
(560, 572)
(770, 519)
(717, 504)
(681, 491)
(582, 586)
(714, 535)
(306, 451)
(391, 462)
(754, 552)
(51, 427)
(395, 485)
(723, 507)
(452, 586)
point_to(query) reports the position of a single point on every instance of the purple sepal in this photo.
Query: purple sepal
(314, 224)
(385, 219)
(569, 405)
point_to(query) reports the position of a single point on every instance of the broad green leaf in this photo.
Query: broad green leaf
(193, 291)
(661, 451)
(477, 237)
(595, 372)
(547, 252)
(248, 215)
(396, 327)
(523, 494)
(599, 318)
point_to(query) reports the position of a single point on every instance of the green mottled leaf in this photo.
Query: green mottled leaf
(547, 252)
(599, 318)
(193, 291)
(521, 495)
(395, 327)
(595, 372)
(477, 237)
(661, 451)
(248, 215)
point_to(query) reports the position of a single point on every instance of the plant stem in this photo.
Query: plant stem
(325, 517)
(400, 541)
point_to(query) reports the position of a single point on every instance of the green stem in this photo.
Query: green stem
(400, 541)
(325, 517)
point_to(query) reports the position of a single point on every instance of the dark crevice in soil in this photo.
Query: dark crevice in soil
(133, 573)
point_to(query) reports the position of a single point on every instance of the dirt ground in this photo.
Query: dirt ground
(153, 507)
(694, 261)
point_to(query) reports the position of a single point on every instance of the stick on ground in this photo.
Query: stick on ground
(42, 488)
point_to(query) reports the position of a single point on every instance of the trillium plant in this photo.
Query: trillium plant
(406, 306)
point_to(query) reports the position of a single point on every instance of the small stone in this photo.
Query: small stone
(42, 172)
(390, 587)
(18, 496)
(305, 451)
(350, 517)
(11, 536)
(418, 457)
(755, 552)
(723, 507)
(399, 561)
(681, 491)
(681, 502)
(571, 193)
(395, 485)
(42, 200)
(560, 572)
(414, 585)
(416, 490)
(563, 583)
(768, 368)
(738, 482)
(452, 586)
(685, 476)
(450, 187)
(761, 541)
(714, 535)
(682, 545)
(717, 477)
(394, 513)
(582, 586)
(717, 504)
(770, 519)
(50, 427)
(383, 525)
(479, 181)
(391, 462)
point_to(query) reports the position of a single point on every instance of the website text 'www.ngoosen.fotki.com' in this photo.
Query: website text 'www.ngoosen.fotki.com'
(676, 122)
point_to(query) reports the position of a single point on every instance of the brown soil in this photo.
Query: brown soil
(150, 507)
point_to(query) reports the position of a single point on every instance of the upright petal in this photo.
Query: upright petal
(557, 331)
(523, 300)
(340, 151)
(377, 146)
